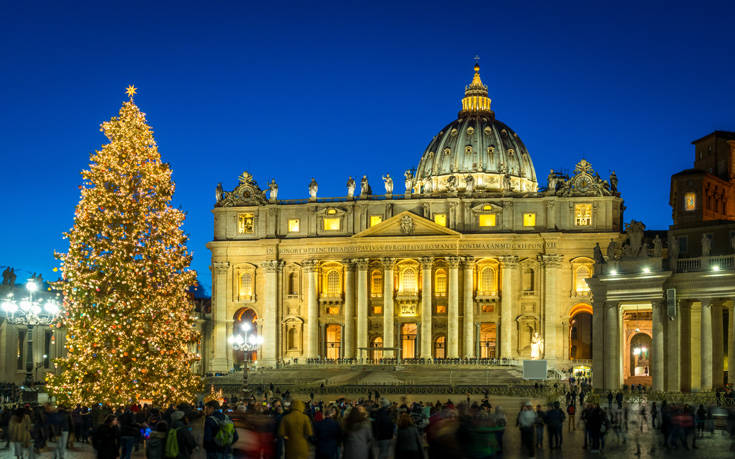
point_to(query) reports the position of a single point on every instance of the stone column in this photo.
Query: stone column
(426, 312)
(718, 352)
(362, 305)
(508, 268)
(598, 339)
(388, 322)
(219, 332)
(552, 263)
(657, 345)
(312, 310)
(731, 347)
(468, 328)
(612, 347)
(348, 338)
(706, 334)
(672, 336)
(453, 309)
(269, 351)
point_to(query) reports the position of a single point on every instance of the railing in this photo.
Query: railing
(714, 263)
(413, 361)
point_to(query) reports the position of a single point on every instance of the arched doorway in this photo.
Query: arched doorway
(440, 347)
(639, 355)
(246, 319)
(334, 341)
(580, 332)
(408, 340)
(377, 352)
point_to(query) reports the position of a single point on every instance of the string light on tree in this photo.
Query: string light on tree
(125, 279)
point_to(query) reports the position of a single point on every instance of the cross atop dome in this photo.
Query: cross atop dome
(475, 95)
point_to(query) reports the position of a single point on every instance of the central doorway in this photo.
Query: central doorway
(408, 340)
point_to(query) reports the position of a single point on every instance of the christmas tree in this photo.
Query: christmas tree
(128, 316)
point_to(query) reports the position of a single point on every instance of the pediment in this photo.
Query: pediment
(485, 207)
(407, 224)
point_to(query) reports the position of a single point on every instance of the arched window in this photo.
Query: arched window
(291, 342)
(528, 280)
(487, 281)
(376, 284)
(440, 283)
(440, 347)
(408, 280)
(333, 287)
(293, 283)
(246, 286)
(580, 274)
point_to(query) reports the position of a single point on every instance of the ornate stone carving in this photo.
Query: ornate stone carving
(388, 181)
(313, 188)
(453, 262)
(706, 245)
(409, 181)
(407, 225)
(350, 187)
(634, 236)
(362, 263)
(365, 187)
(247, 193)
(309, 265)
(468, 261)
(508, 261)
(348, 264)
(585, 182)
(551, 261)
(221, 266)
(272, 266)
(426, 262)
(273, 187)
(387, 262)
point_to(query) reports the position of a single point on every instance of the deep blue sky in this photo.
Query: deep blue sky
(293, 91)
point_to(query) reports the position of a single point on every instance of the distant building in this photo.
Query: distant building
(469, 260)
(663, 309)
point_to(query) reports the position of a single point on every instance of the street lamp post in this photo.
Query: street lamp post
(246, 340)
(29, 312)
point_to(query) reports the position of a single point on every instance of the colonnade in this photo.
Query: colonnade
(674, 330)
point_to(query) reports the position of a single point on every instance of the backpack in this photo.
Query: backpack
(225, 435)
(172, 443)
(570, 410)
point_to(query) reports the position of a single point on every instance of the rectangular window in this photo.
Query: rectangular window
(683, 244)
(529, 219)
(690, 201)
(331, 224)
(487, 220)
(377, 309)
(21, 346)
(441, 309)
(293, 225)
(583, 214)
(440, 219)
(375, 219)
(245, 223)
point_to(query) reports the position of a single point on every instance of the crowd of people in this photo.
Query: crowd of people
(277, 425)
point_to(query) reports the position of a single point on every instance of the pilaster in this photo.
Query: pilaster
(348, 338)
(362, 304)
(269, 350)
(453, 309)
(552, 322)
(657, 345)
(388, 314)
(706, 336)
(426, 310)
(219, 332)
(508, 269)
(312, 310)
(468, 328)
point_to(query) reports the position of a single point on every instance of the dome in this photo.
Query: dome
(475, 152)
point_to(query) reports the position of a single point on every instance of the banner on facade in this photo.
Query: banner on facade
(534, 369)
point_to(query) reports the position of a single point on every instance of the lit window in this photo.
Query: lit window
(440, 219)
(245, 223)
(331, 224)
(690, 201)
(376, 284)
(487, 207)
(333, 284)
(529, 219)
(332, 212)
(583, 214)
(440, 287)
(246, 286)
(377, 310)
(293, 225)
(487, 220)
(580, 274)
(487, 281)
(375, 219)
(408, 280)
(441, 309)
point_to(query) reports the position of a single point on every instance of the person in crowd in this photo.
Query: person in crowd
(539, 424)
(500, 420)
(185, 440)
(215, 422)
(129, 432)
(701, 417)
(409, 442)
(155, 446)
(358, 434)
(328, 435)
(19, 434)
(594, 424)
(63, 423)
(571, 411)
(384, 428)
(296, 430)
(106, 439)
(526, 421)
(555, 422)
(654, 416)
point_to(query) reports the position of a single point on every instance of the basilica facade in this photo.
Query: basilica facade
(470, 260)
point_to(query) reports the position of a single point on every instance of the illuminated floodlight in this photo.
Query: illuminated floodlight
(31, 286)
(646, 270)
(10, 306)
(715, 268)
(614, 272)
(51, 307)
